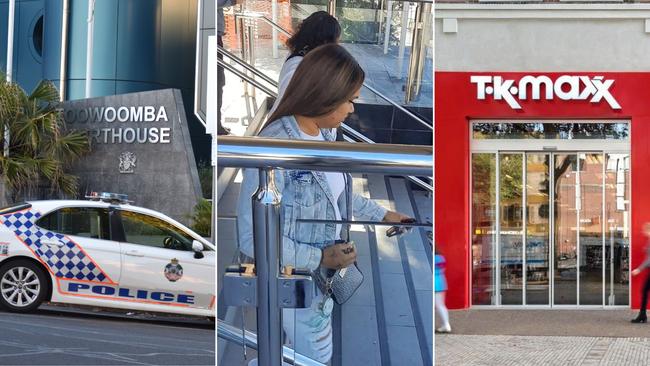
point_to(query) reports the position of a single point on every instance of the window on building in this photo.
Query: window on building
(542, 130)
(37, 36)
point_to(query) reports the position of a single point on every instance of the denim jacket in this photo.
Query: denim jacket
(305, 195)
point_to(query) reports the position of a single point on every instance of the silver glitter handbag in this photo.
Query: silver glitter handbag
(339, 284)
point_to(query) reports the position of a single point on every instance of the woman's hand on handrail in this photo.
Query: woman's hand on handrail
(394, 216)
(338, 256)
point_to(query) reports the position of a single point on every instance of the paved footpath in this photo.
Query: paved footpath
(544, 337)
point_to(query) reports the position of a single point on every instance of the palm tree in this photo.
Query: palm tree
(41, 150)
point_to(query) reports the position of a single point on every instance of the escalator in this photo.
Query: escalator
(389, 319)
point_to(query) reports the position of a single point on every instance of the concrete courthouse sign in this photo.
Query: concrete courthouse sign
(141, 133)
(141, 147)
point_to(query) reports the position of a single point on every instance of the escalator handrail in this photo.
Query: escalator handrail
(271, 153)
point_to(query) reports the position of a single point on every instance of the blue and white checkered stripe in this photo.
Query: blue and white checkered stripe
(67, 261)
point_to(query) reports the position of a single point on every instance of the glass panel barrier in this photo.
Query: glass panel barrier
(396, 290)
(243, 104)
(228, 254)
(386, 60)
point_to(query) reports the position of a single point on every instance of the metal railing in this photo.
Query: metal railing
(256, 15)
(268, 153)
(249, 339)
(247, 78)
(247, 66)
(266, 288)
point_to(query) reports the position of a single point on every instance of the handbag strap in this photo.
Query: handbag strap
(348, 202)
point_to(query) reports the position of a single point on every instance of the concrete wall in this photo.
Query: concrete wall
(542, 37)
(165, 177)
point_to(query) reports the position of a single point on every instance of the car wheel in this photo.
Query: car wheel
(23, 286)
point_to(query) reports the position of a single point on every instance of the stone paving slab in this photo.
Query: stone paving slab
(543, 337)
(505, 350)
(550, 322)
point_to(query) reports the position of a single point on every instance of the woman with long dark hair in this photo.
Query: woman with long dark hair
(316, 30)
(318, 98)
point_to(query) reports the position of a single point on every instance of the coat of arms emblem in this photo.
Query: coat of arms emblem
(127, 162)
(173, 271)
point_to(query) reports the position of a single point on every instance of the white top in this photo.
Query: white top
(286, 73)
(335, 180)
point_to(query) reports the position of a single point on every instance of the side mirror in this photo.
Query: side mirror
(197, 247)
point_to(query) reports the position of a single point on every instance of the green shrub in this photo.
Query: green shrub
(204, 169)
(202, 218)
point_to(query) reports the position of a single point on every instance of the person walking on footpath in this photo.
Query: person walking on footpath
(642, 317)
(441, 289)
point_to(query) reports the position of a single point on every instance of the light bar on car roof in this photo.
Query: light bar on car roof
(108, 197)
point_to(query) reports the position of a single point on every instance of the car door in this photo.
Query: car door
(157, 258)
(75, 243)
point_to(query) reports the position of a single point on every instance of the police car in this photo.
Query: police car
(103, 252)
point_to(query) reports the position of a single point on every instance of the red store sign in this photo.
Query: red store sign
(465, 96)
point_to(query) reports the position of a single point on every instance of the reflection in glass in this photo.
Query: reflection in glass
(511, 228)
(617, 228)
(566, 197)
(539, 130)
(579, 228)
(537, 229)
(590, 200)
(364, 25)
(483, 228)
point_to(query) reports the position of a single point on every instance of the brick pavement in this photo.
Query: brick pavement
(544, 337)
(505, 350)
